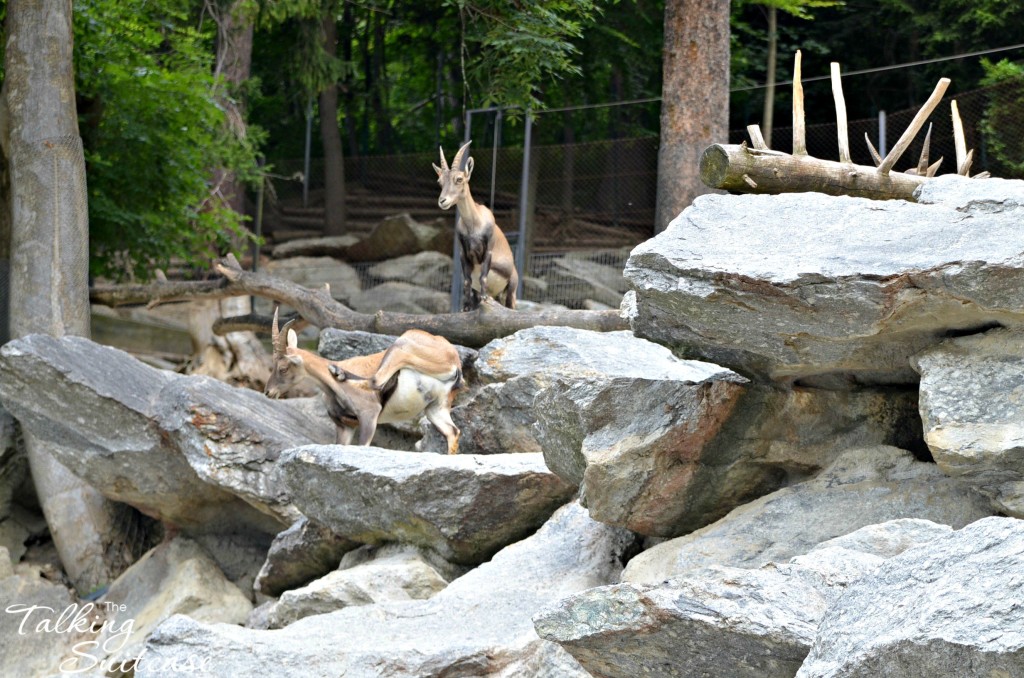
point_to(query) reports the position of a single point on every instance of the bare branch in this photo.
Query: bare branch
(915, 126)
(799, 135)
(756, 138)
(843, 134)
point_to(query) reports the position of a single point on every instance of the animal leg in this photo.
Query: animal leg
(485, 268)
(368, 427)
(441, 417)
(344, 436)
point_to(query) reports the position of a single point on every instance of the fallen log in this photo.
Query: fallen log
(738, 168)
(473, 329)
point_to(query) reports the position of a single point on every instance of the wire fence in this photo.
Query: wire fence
(588, 203)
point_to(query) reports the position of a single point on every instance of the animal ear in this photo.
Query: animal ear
(436, 169)
(293, 339)
(469, 167)
(294, 359)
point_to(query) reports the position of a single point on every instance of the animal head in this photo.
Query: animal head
(289, 365)
(454, 180)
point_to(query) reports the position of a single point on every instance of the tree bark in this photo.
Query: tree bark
(234, 63)
(473, 329)
(738, 168)
(695, 99)
(334, 159)
(50, 261)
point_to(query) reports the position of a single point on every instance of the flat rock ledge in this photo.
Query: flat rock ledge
(831, 291)
(463, 507)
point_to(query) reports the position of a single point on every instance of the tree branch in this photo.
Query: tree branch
(474, 329)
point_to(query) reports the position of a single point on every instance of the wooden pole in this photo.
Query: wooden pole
(959, 140)
(799, 136)
(915, 126)
(843, 134)
(756, 139)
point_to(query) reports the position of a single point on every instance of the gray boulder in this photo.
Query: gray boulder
(723, 620)
(189, 450)
(973, 412)
(305, 551)
(314, 273)
(328, 246)
(947, 608)
(831, 291)
(464, 507)
(177, 577)
(432, 270)
(31, 602)
(396, 573)
(399, 235)
(573, 280)
(479, 625)
(863, 487)
(739, 623)
(401, 297)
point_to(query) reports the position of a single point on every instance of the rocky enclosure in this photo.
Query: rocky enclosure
(804, 460)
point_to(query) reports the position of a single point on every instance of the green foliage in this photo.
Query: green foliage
(520, 45)
(154, 134)
(1003, 123)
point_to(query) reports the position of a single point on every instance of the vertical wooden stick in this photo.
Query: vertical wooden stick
(799, 137)
(837, 94)
(755, 137)
(922, 162)
(959, 140)
(915, 126)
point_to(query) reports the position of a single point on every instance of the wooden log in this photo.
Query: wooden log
(729, 166)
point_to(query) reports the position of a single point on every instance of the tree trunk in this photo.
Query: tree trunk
(695, 99)
(50, 261)
(234, 62)
(334, 159)
(768, 118)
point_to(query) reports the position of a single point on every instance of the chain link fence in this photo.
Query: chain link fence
(588, 203)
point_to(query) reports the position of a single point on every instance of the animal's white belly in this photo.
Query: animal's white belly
(495, 281)
(413, 394)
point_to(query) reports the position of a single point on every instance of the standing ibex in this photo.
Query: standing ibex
(417, 376)
(488, 267)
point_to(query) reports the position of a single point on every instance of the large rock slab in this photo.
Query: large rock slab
(313, 272)
(727, 622)
(972, 405)
(947, 608)
(660, 445)
(189, 450)
(397, 573)
(863, 487)
(723, 620)
(574, 279)
(30, 644)
(479, 625)
(401, 297)
(832, 291)
(464, 507)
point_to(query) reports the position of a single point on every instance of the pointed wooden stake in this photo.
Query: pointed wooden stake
(799, 136)
(915, 126)
(966, 167)
(934, 167)
(959, 140)
(922, 162)
(874, 151)
(837, 94)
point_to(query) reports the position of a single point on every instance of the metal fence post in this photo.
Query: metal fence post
(883, 149)
(524, 200)
(456, 298)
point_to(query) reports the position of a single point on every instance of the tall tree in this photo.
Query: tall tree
(330, 135)
(695, 99)
(50, 259)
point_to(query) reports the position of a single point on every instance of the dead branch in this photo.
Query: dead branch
(473, 329)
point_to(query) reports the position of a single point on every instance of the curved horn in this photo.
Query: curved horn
(284, 331)
(444, 163)
(462, 157)
(275, 334)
